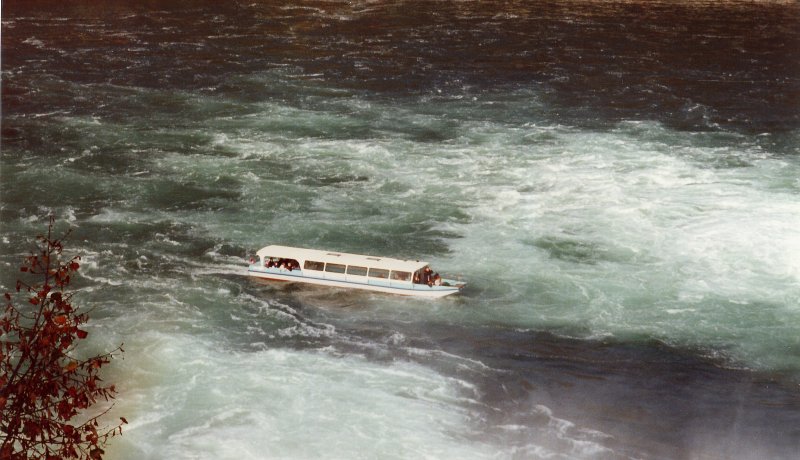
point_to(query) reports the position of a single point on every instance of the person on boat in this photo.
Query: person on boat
(426, 276)
(270, 263)
(437, 280)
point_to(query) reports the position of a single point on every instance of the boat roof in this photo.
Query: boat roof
(302, 254)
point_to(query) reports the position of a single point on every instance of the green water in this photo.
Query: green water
(634, 279)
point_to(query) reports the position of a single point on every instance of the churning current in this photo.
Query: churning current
(619, 182)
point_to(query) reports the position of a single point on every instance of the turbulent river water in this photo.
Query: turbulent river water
(618, 181)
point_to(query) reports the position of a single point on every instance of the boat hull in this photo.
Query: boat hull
(408, 289)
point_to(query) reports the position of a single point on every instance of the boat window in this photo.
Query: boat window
(279, 262)
(335, 268)
(401, 276)
(312, 265)
(354, 270)
(378, 273)
(289, 264)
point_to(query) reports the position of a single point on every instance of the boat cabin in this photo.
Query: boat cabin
(385, 274)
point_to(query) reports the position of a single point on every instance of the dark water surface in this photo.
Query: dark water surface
(691, 65)
(617, 180)
(652, 401)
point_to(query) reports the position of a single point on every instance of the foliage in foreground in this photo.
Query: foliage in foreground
(44, 386)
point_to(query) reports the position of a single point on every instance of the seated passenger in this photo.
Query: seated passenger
(437, 280)
(426, 276)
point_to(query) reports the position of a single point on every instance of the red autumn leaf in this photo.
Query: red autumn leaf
(81, 334)
(32, 428)
(65, 411)
(60, 319)
(71, 366)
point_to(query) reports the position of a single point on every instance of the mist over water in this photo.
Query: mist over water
(617, 181)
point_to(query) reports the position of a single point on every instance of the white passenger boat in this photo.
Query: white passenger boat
(328, 268)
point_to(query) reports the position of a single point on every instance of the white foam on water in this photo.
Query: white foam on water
(630, 231)
(185, 399)
(641, 239)
(636, 231)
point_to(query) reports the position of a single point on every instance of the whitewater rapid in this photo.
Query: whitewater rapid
(621, 196)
